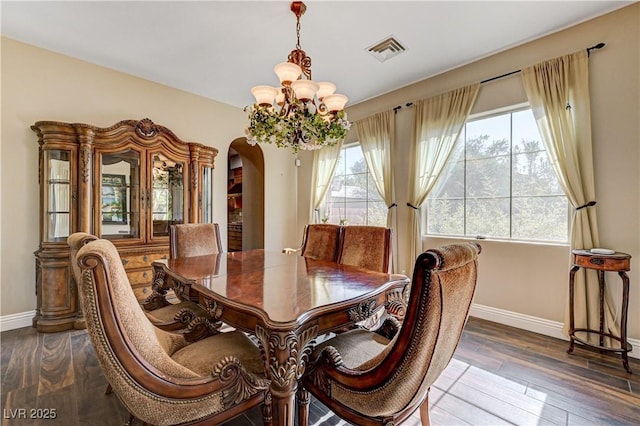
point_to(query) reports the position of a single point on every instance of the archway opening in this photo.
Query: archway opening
(245, 196)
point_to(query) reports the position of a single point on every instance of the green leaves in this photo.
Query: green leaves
(299, 128)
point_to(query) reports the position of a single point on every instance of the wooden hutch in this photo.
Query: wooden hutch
(127, 183)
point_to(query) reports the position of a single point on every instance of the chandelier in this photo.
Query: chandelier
(301, 114)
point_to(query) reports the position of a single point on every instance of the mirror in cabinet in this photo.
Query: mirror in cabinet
(119, 195)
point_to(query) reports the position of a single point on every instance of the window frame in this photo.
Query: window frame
(512, 109)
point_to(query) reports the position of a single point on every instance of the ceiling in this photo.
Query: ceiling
(220, 49)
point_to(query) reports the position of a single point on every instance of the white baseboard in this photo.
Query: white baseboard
(534, 324)
(19, 320)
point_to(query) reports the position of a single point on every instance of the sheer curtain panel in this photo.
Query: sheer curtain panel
(324, 166)
(376, 134)
(558, 91)
(438, 122)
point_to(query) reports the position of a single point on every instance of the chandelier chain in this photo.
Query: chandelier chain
(298, 32)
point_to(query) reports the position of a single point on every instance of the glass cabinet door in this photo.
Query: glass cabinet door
(120, 195)
(167, 194)
(206, 197)
(57, 193)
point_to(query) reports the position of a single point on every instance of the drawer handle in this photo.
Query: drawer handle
(125, 261)
(145, 258)
(144, 274)
(596, 261)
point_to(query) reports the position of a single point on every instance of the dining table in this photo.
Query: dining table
(287, 302)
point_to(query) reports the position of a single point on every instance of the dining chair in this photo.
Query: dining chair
(159, 376)
(367, 247)
(320, 241)
(376, 378)
(185, 240)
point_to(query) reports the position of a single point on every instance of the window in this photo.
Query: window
(353, 198)
(498, 183)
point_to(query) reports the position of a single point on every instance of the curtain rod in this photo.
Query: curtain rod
(595, 47)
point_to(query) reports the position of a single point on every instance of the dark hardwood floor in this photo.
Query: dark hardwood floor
(499, 375)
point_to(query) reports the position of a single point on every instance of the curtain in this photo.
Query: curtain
(438, 122)
(324, 166)
(375, 134)
(558, 91)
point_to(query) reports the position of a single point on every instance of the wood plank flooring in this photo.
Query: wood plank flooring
(499, 375)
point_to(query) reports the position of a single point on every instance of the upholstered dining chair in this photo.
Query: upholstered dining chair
(160, 377)
(374, 378)
(368, 247)
(320, 241)
(185, 240)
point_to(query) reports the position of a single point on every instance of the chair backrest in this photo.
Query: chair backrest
(368, 247)
(321, 241)
(395, 382)
(133, 354)
(194, 239)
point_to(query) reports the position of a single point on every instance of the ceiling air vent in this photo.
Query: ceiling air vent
(386, 49)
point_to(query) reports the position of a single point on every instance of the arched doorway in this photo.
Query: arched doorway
(245, 196)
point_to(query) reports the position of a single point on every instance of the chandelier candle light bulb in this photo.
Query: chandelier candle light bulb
(302, 114)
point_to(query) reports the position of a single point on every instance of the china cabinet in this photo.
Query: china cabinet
(127, 183)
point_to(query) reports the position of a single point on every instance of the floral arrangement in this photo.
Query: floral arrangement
(302, 128)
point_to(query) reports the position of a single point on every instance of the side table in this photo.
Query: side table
(617, 262)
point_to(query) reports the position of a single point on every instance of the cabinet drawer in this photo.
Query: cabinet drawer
(132, 261)
(142, 292)
(140, 276)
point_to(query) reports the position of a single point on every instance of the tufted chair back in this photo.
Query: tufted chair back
(321, 241)
(194, 239)
(140, 360)
(368, 247)
(367, 379)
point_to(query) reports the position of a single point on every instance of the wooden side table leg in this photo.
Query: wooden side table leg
(601, 306)
(572, 325)
(623, 320)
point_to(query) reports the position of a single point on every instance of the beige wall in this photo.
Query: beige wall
(531, 279)
(41, 85)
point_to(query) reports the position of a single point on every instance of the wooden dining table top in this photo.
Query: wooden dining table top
(283, 288)
(286, 301)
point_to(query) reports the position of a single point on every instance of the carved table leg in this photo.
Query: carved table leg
(285, 354)
(303, 405)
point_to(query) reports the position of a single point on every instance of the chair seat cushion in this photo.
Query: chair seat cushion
(356, 347)
(167, 314)
(200, 357)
